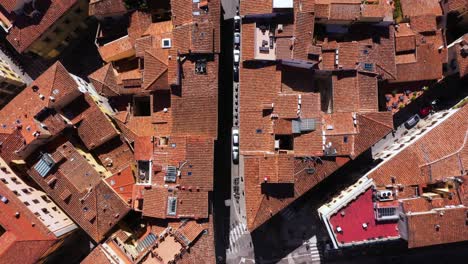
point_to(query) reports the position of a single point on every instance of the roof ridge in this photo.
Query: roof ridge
(376, 121)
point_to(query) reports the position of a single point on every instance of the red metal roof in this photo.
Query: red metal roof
(356, 213)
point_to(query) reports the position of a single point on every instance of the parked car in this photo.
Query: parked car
(236, 73)
(237, 37)
(237, 22)
(425, 111)
(235, 137)
(235, 155)
(412, 121)
(236, 56)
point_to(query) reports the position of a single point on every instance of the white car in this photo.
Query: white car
(235, 154)
(236, 56)
(235, 137)
(237, 37)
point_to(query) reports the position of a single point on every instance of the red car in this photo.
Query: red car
(425, 111)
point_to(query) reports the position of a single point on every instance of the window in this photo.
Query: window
(4, 181)
(45, 199)
(171, 205)
(16, 193)
(166, 43)
(35, 201)
(345, 139)
(200, 66)
(26, 203)
(45, 211)
(57, 30)
(26, 191)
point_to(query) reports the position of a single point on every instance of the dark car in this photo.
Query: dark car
(412, 121)
(237, 22)
(236, 73)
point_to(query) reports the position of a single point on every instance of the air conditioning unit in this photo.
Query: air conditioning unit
(384, 195)
(277, 144)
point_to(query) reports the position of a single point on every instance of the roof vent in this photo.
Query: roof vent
(52, 98)
(35, 88)
(41, 96)
(339, 229)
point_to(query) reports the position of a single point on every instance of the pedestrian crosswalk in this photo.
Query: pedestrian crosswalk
(238, 238)
(313, 250)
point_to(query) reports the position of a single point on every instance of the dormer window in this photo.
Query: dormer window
(166, 43)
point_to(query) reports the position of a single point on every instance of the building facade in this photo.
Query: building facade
(10, 83)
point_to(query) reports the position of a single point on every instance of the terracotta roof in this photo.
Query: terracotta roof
(139, 23)
(194, 38)
(189, 204)
(259, 207)
(115, 154)
(93, 126)
(117, 49)
(189, 231)
(104, 8)
(405, 43)
(155, 74)
(256, 7)
(122, 182)
(25, 239)
(443, 140)
(105, 81)
(424, 23)
(91, 203)
(97, 256)
(413, 8)
(455, 6)
(143, 148)
(26, 31)
(437, 227)
(346, 11)
(424, 65)
(462, 56)
(57, 88)
(303, 34)
(277, 169)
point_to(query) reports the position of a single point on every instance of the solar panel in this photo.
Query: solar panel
(368, 66)
(171, 174)
(45, 164)
(307, 125)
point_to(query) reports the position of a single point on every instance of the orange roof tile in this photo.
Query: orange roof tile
(104, 8)
(445, 139)
(88, 193)
(26, 31)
